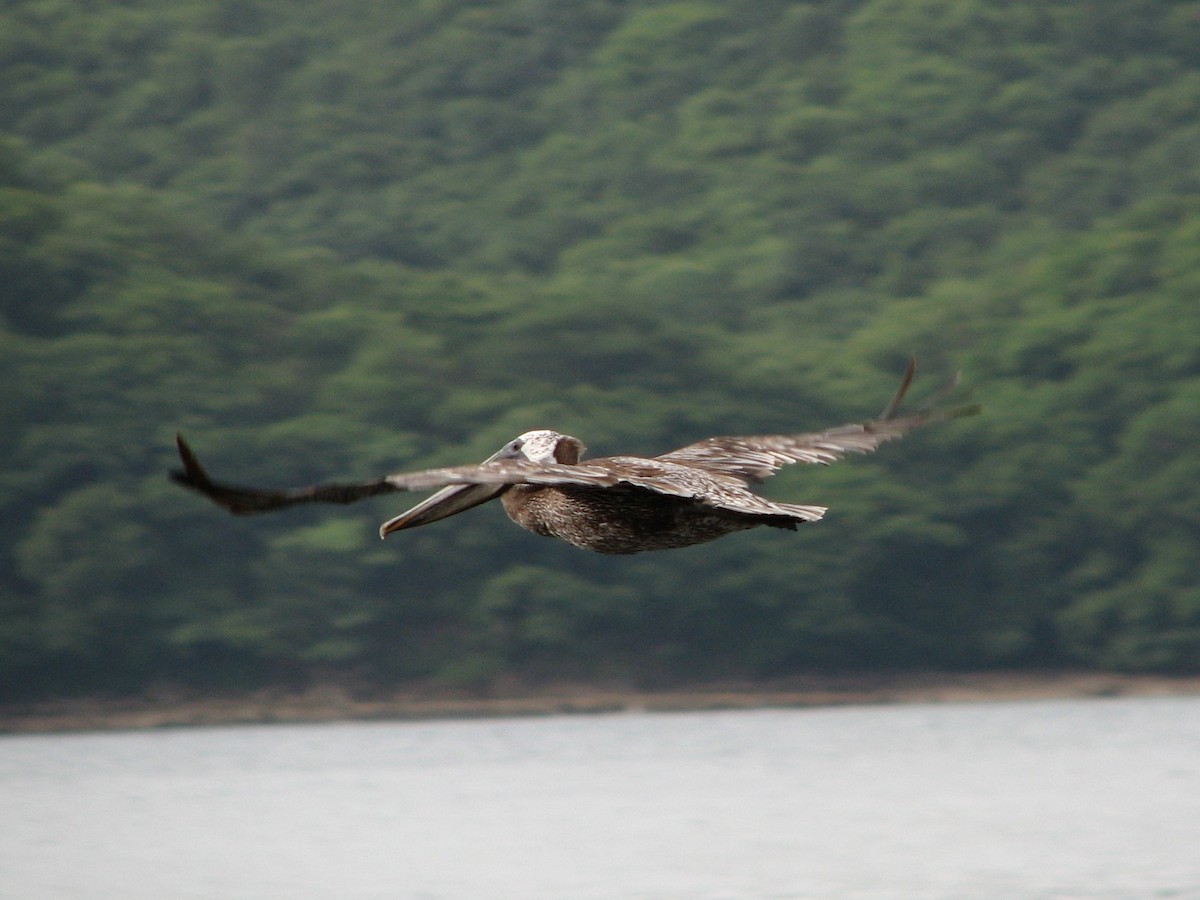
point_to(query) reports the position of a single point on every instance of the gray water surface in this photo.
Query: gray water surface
(1063, 799)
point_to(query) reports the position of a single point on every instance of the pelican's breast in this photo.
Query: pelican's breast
(617, 520)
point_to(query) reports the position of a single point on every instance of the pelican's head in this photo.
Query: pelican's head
(542, 446)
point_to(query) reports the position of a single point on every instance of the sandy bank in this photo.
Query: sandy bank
(329, 703)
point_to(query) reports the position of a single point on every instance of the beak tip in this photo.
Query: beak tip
(449, 501)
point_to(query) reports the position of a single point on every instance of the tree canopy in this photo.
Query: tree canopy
(337, 240)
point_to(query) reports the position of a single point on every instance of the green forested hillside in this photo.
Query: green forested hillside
(334, 240)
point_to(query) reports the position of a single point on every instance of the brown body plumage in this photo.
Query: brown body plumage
(629, 520)
(618, 504)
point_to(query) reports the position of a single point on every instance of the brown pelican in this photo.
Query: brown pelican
(616, 504)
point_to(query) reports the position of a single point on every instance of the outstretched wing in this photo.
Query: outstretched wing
(754, 458)
(245, 500)
(242, 500)
(630, 471)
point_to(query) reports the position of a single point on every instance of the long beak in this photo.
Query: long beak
(449, 501)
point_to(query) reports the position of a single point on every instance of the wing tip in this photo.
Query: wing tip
(906, 381)
(929, 411)
(192, 474)
(194, 477)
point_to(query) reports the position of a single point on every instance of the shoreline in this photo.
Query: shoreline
(330, 703)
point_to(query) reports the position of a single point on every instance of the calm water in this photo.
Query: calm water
(1095, 798)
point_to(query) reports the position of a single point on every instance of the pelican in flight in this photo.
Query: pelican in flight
(615, 504)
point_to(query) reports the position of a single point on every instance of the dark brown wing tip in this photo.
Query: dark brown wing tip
(193, 477)
(192, 474)
(930, 411)
(889, 411)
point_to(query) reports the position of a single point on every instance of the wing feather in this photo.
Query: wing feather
(508, 471)
(753, 458)
(650, 474)
(241, 500)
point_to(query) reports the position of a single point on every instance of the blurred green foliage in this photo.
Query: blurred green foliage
(334, 240)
